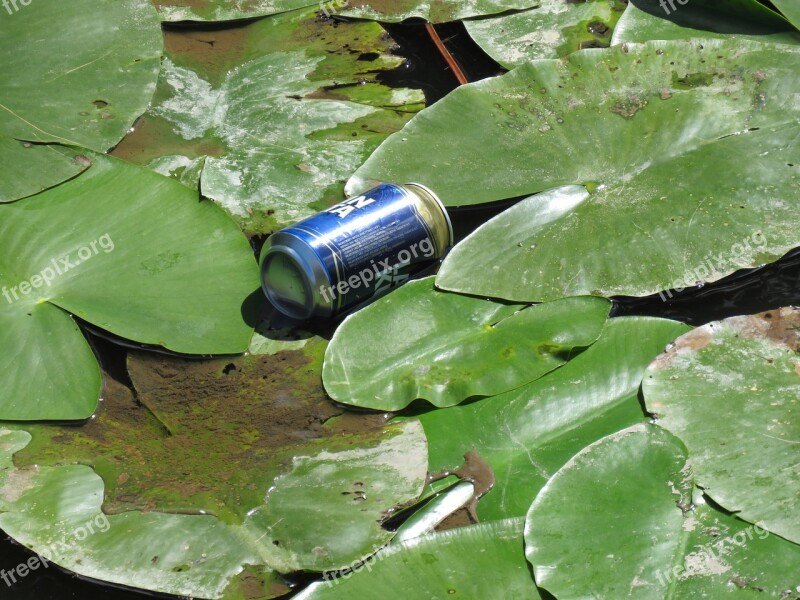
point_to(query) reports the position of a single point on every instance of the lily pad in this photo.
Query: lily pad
(552, 30)
(75, 73)
(446, 348)
(791, 10)
(698, 176)
(31, 168)
(206, 478)
(481, 561)
(628, 499)
(134, 267)
(527, 434)
(743, 376)
(746, 19)
(272, 118)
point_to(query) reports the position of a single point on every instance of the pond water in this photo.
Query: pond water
(745, 292)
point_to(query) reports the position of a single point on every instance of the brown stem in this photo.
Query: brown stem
(462, 79)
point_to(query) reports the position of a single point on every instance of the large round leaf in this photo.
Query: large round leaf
(618, 521)
(666, 115)
(527, 434)
(275, 117)
(446, 348)
(148, 263)
(477, 562)
(554, 29)
(76, 73)
(746, 19)
(731, 391)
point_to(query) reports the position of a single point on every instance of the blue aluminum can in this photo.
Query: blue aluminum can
(354, 251)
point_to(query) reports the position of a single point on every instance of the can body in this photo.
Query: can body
(354, 251)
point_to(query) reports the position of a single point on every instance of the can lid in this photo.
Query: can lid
(287, 284)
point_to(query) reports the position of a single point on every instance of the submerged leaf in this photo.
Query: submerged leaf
(209, 476)
(731, 391)
(628, 500)
(482, 561)
(75, 73)
(446, 348)
(134, 267)
(527, 434)
(272, 119)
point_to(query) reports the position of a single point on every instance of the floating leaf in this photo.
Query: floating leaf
(446, 348)
(746, 19)
(239, 449)
(435, 11)
(527, 434)
(731, 391)
(134, 267)
(628, 500)
(674, 119)
(31, 168)
(791, 11)
(76, 73)
(482, 561)
(552, 30)
(275, 117)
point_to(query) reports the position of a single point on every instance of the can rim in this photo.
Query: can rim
(304, 269)
(442, 207)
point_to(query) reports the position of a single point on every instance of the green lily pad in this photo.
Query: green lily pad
(628, 500)
(552, 30)
(698, 176)
(481, 561)
(134, 267)
(527, 434)
(31, 168)
(746, 19)
(272, 118)
(445, 348)
(75, 73)
(434, 11)
(743, 376)
(207, 478)
(791, 10)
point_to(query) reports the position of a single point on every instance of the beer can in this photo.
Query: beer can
(354, 251)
